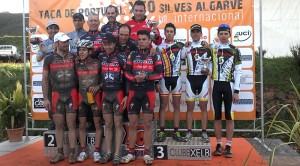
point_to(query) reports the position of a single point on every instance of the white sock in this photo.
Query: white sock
(219, 142)
(228, 142)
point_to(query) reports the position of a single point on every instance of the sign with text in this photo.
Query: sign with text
(239, 14)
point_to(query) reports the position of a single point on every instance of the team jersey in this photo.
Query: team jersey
(112, 74)
(141, 25)
(141, 61)
(74, 39)
(227, 64)
(170, 56)
(88, 71)
(111, 28)
(61, 71)
(125, 50)
(194, 57)
(95, 37)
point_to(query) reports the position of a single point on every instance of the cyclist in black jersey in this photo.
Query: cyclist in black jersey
(226, 74)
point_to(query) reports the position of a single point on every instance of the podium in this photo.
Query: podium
(193, 150)
(50, 146)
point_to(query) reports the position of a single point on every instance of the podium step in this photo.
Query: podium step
(50, 146)
(193, 150)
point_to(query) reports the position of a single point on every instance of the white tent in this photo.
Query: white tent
(280, 25)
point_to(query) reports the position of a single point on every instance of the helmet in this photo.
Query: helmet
(85, 43)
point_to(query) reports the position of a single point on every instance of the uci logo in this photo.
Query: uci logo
(242, 35)
(38, 103)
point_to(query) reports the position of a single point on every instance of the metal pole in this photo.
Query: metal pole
(25, 72)
(261, 75)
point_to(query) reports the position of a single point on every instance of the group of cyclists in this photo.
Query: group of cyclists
(98, 75)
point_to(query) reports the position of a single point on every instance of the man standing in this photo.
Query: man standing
(125, 44)
(197, 81)
(226, 75)
(113, 25)
(59, 68)
(47, 48)
(88, 73)
(142, 70)
(170, 55)
(78, 21)
(139, 22)
(93, 34)
(114, 97)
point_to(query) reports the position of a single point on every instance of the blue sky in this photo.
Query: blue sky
(14, 6)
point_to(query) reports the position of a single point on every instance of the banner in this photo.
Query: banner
(239, 14)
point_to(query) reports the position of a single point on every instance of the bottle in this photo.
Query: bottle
(90, 97)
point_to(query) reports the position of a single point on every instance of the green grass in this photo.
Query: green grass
(278, 71)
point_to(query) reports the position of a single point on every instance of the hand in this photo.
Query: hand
(152, 51)
(205, 44)
(43, 49)
(235, 97)
(158, 89)
(140, 78)
(155, 31)
(47, 105)
(187, 44)
(205, 71)
(94, 89)
(124, 102)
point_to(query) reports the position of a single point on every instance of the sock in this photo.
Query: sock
(147, 152)
(96, 149)
(131, 151)
(60, 150)
(219, 142)
(83, 149)
(175, 129)
(162, 129)
(228, 142)
(203, 130)
(189, 130)
(72, 150)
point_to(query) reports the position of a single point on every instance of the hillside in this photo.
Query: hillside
(11, 24)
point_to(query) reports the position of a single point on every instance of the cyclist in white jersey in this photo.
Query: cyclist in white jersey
(226, 74)
(170, 52)
(197, 82)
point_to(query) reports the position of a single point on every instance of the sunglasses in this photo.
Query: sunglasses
(224, 26)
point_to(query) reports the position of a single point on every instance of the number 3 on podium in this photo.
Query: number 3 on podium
(160, 152)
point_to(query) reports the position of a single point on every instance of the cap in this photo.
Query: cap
(108, 37)
(78, 15)
(224, 27)
(51, 22)
(60, 36)
(196, 26)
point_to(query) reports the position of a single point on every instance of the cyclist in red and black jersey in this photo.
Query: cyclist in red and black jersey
(125, 44)
(93, 34)
(114, 97)
(88, 71)
(59, 68)
(142, 70)
(113, 25)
